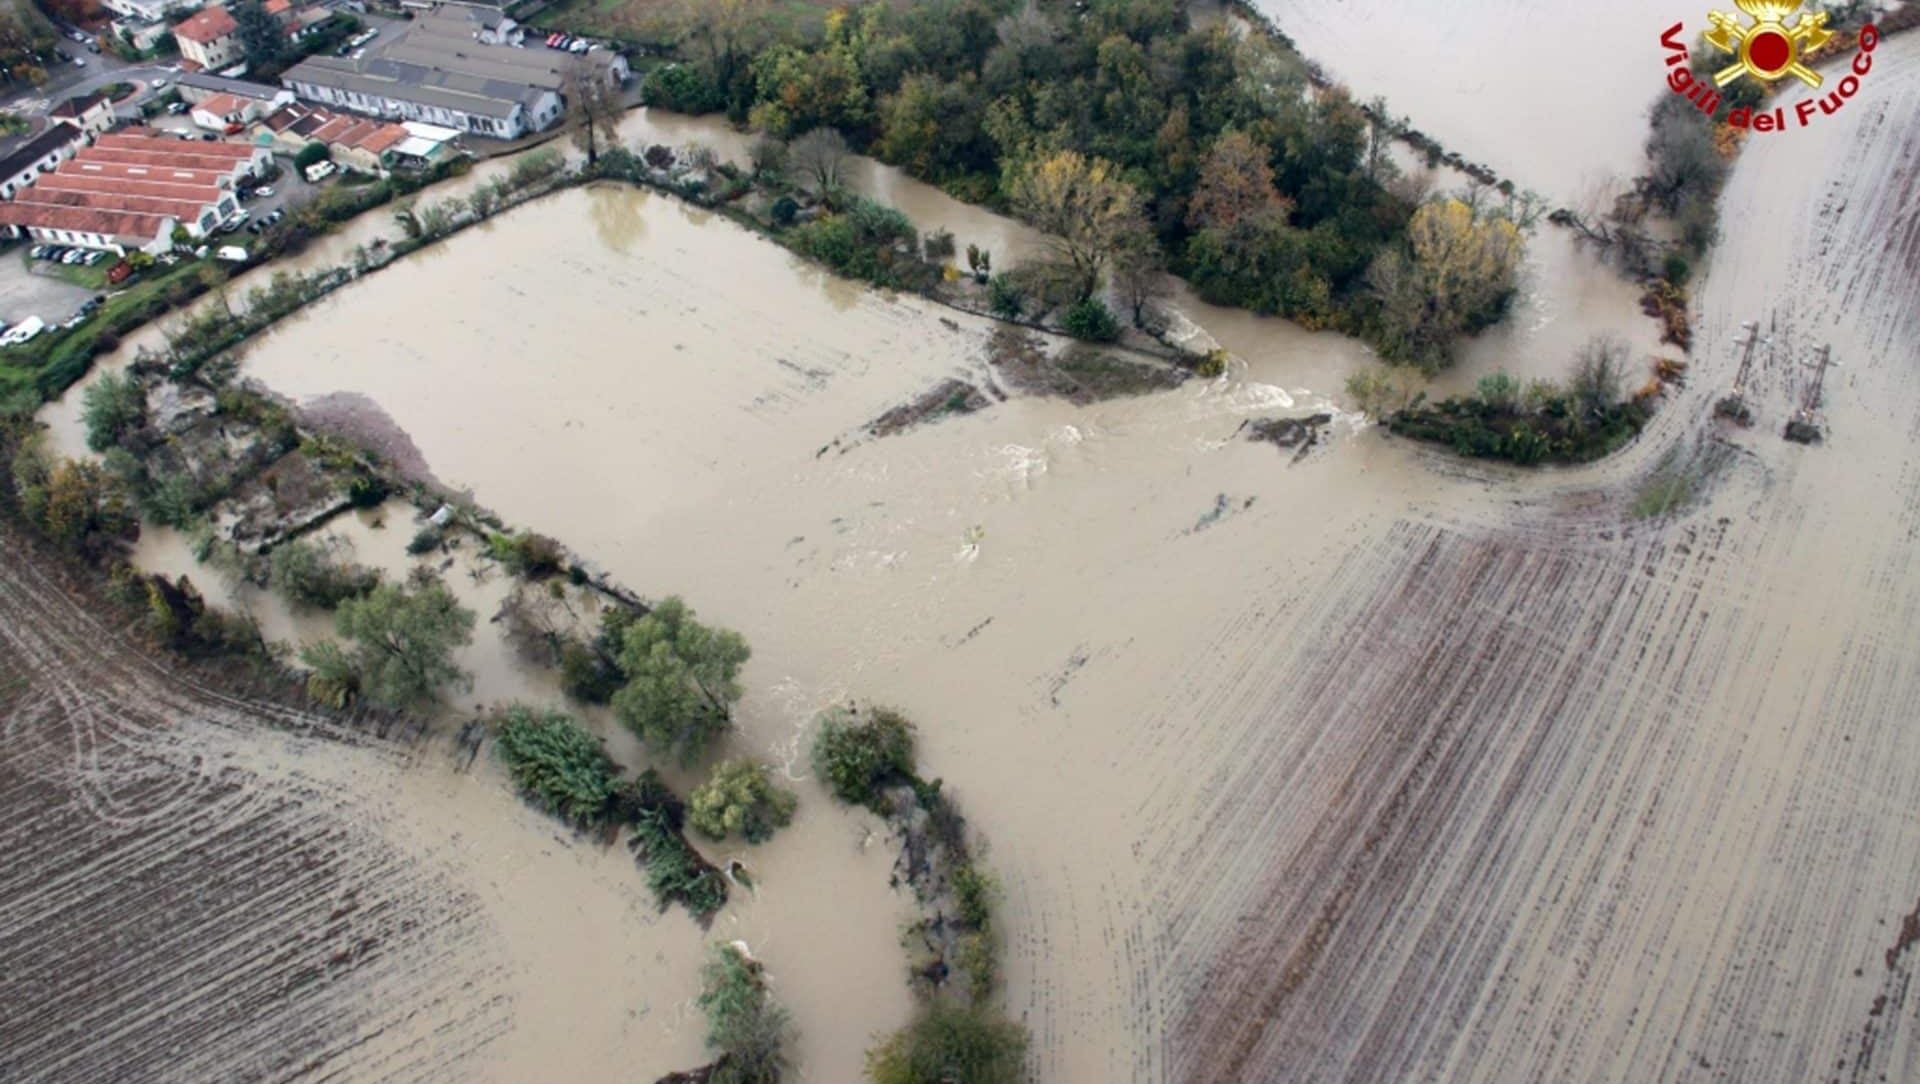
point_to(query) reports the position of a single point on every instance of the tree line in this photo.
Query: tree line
(1137, 142)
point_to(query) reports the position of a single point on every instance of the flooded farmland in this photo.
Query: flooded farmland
(1366, 765)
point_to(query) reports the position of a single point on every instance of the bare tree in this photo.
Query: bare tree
(1599, 373)
(593, 108)
(819, 155)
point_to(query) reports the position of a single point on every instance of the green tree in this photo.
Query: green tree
(744, 1023)
(400, 643)
(557, 765)
(857, 755)
(112, 407)
(740, 799)
(681, 679)
(951, 1045)
(310, 575)
(263, 41)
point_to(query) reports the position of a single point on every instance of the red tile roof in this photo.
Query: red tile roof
(207, 26)
(186, 210)
(222, 149)
(221, 105)
(68, 182)
(81, 220)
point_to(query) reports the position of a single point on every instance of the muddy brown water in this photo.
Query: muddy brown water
(1378, 766)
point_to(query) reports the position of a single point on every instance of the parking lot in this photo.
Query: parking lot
(36, 290)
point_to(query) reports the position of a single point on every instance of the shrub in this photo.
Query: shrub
(675, 872)
(938, 245)
(1676, 269)
(683, 88)
(951, 1045)
(1213, 365)
(744, 1023)
(527, 554)
(1090, 319)
(309, 575)
(975, 890)
(1006, 295)
(857, 757)
(557, 765)
(586, 674)
(785, 211)
(425, 540)
(1499, 391)
(740, 798)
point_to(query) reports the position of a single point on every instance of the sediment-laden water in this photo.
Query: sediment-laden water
(1366, 766)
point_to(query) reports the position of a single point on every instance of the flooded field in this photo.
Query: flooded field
(1359, 765)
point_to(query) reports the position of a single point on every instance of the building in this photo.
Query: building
(91, 113)
(227, 112)
(129, 192)
(197, 87)
(426, 145)
(210, 39)
(38, 155)
(142, 34)
(369, 146)
(150, 11)
(439, 73)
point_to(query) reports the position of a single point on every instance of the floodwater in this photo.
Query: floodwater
(1550, 96)
(1371, 765)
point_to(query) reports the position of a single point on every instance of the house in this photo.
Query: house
(227, 112)
(150, 11)
(439, 73)
(38, 155)
(197, 87)
(426, 145)
(366, 145)
(210, 39)
(91, 113)
(129, 192)
(142, 34)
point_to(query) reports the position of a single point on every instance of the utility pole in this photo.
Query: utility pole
(1734, 407)
(1805, 426)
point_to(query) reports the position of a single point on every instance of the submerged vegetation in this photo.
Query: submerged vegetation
(557, 765)
(1542, 422)
(745, 1025)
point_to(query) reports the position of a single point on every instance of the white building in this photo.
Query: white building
(210, 39)
(38, 155)
(150, 11)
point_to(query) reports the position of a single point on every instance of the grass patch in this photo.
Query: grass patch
(1668, 489)
(90, 278)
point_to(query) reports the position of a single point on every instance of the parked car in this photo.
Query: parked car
(320, 171)
(160, 83)
(231, 253)
(274, 216)
(79, 62)
(265, 191)
(72, 257)
(38, 252)
(94, 257)
(256, 225)
(579, 46)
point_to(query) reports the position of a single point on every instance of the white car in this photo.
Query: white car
(79, 62)
(160, 83)
(24, 330)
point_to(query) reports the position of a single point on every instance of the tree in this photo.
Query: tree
(1455, 278)
(857, 756)
(819, 156)
(949, 1044)
(310, 574)
(1082, 205)
(112, 407)
(557, 765)
(1236, 186)
(400, 642)
(85, 508)
(263, 41)
(744, 1023)
(740, 799)
(593, 109)
(1599, 372)
(681, 679)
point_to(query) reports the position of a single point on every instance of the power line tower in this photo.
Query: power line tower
(1805, 426)
(1734, 407)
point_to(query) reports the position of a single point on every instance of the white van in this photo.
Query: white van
(22, 331)
(319, 171)
(231, 254)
